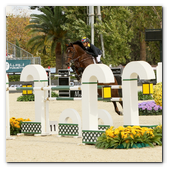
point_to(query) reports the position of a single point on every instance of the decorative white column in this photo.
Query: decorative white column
(94, 73)
(159, 72)
(129, 89)
(38, 74)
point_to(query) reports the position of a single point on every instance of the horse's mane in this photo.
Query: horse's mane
(78, 43)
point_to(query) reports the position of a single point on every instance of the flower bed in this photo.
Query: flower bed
(149, 108)
(15, 125)
(129, 137)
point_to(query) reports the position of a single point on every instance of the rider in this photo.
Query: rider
(93, 50)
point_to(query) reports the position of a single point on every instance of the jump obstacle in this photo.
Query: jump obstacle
(90, 113)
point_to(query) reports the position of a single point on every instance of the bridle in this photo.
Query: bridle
(72, 57)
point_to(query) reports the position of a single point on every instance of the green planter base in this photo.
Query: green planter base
(137, 145)
(31, 127)
(90, 136)
(66, 129)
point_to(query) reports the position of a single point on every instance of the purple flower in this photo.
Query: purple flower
(143, 103)
(156, 108)
(160, 107)
(149, 108)
(144, 107)
(140, 107)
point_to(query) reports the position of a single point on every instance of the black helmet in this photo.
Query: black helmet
(84, 39)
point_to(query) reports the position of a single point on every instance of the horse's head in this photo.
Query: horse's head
(70, 54)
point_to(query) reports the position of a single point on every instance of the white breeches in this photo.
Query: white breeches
(98, 58)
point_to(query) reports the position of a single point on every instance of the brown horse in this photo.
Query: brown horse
(77, 55)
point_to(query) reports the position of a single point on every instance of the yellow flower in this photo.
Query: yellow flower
(17, 126)
(131, 136)
(129, 127)
(133, 131)
(143, 131)
(157, 93)
(138, 134)
(15, 122)
(151, 133)
(122, 134)
(19, 119)
(109, 133)
(125, 136)
(11, 120)
(121, 128)
(136, 127)
(116, 131)
(111, 128)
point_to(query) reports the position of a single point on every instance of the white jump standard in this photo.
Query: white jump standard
(92, 75)
(129, 89)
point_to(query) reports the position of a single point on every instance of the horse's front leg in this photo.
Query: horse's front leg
(116, 108)
(77, 74)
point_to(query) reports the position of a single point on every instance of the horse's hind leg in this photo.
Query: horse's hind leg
(116, 108)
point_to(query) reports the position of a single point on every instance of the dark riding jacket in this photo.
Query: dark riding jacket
(93, 50)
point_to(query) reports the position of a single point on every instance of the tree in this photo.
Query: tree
(117, 33)
(145, 17)
(114, 28)
(77, 25)
(123, 29)
(17, 50)
(15, 26)
(48, 25)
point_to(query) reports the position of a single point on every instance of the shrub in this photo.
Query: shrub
(31, 97)
(157, 93)
(13, 78)
(144, 97)
(26, 98)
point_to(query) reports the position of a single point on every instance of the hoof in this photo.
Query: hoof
(119, 113)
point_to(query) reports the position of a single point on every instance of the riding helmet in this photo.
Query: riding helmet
(84, 39)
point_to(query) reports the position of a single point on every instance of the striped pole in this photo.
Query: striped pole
(79, 98)
(56, 88)
(64, 75)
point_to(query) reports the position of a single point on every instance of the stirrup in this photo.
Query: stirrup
(99, 62)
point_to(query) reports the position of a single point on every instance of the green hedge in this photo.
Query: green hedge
(27, 98)
(144, 97)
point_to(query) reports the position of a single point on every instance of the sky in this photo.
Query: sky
(18, 9)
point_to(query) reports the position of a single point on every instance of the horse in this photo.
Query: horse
(79, 57)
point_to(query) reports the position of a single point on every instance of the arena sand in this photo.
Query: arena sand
(69, 149)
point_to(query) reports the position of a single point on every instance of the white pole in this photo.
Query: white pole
(7, 111)
(49, 88)
(159, 72)
(89, 15)
(91, 22)
(101, 36)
